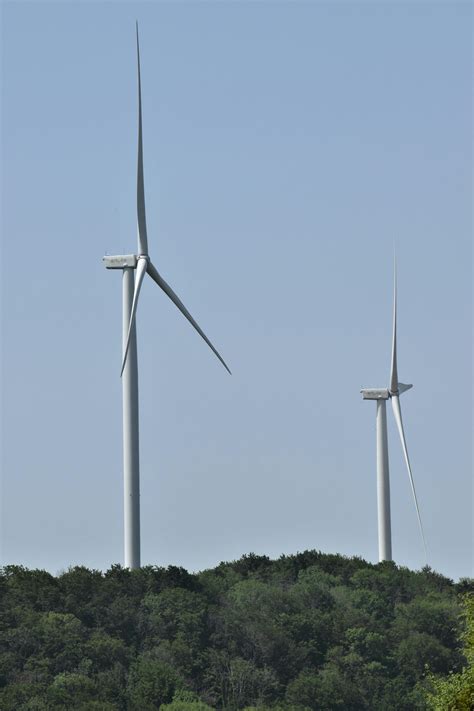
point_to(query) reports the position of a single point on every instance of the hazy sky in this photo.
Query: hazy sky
(287, 146)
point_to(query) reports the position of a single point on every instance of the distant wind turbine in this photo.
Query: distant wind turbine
(131, 284)
(381, 395)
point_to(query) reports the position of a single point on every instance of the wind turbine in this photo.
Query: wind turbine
(381, 395)
(134, 267)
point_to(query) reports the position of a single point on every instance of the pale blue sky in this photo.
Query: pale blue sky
(287, 146)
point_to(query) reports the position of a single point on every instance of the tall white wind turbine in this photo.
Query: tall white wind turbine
(134, 267)
(381, 395)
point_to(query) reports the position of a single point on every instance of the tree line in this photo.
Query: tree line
(306, 632)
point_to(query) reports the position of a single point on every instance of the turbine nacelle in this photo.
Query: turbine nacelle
(383, 393)
(120, 261)
(375, 393)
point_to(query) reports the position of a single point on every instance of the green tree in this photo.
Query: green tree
(105, 651)
(235, 682)
(455, 692)
(184, 700)
(71, 691)
(174, 624)
(419, 651)
(304, 692)
(62, 637)
(434, 614)
(252, 624)
(151, 683)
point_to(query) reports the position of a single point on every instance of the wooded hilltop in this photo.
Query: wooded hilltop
(306, 632)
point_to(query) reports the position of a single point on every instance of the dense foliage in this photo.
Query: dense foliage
(305, 632)
(456, 691)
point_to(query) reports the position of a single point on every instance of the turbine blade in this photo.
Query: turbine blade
(142, 236)
(398, 419)
(170, 293)
(394, 370)
(140, 273)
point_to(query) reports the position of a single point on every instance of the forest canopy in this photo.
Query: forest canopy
(306, 632)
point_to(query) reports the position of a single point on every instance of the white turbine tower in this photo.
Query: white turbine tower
(131, 283)
(381, 395)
